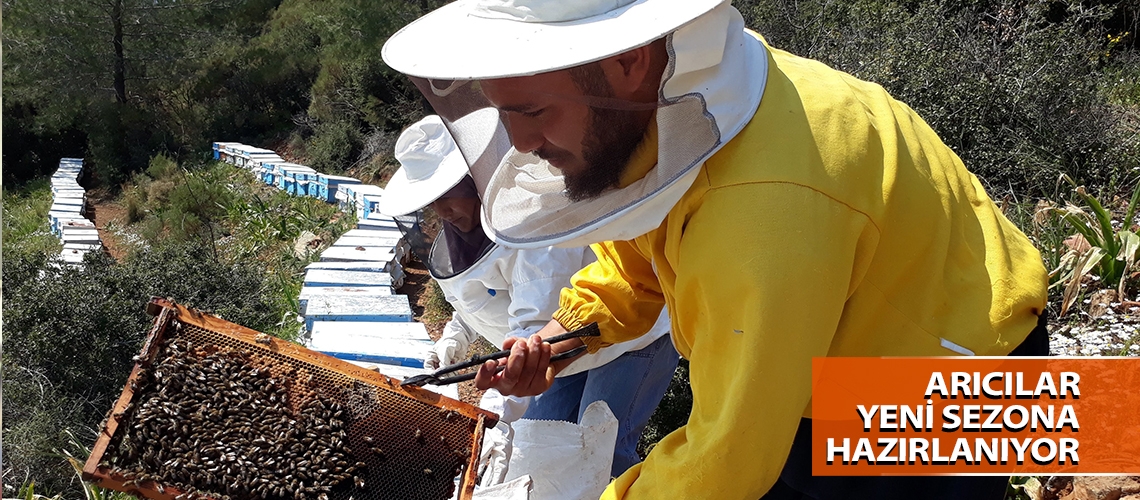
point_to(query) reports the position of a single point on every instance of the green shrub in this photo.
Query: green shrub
(25, 221)
(134, 200)
(671, 413)
(35, 412)
(71, 334)
(183, 205)
(334, 146)
(1017, 89)
(162, 166)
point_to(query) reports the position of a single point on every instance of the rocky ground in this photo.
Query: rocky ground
(1102, 326)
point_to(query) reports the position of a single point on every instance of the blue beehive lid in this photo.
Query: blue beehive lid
(336, 179)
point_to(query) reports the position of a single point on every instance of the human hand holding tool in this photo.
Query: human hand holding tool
(571, 346)
(533, 363)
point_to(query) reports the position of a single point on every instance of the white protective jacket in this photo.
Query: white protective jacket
(514, 293)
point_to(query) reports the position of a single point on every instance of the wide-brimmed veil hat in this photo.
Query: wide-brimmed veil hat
(536, 36)
(430, 165)
(711, 86)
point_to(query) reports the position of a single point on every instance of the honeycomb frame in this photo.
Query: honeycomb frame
(416, 427)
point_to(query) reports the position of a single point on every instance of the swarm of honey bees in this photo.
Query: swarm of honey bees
(219, 423)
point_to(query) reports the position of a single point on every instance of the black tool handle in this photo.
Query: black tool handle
(469, 376)
(590, 330)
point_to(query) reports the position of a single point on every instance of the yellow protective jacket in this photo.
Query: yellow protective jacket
(836, 223)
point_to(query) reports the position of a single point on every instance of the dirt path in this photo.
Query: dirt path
(416, 282)
(104, 210)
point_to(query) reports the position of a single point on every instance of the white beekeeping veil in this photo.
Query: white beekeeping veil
(710, 89)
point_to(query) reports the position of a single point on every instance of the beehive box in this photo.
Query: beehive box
(393, 308)
(401, 344)
(327, 185)
(323, 292)
(362, 254)
(379, 240)
(336, 277)
(377, 222)
(175, 419)
(375, 229)
(373, 267)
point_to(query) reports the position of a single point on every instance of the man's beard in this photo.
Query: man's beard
(613, 135)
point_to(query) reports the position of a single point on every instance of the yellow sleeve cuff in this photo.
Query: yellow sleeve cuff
(570, 322)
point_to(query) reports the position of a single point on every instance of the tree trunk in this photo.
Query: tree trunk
(120, 65)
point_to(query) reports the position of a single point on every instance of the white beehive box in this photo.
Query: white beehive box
(334, 277)
(79, 235)
(315, 294)
(369, 254)
(380, 240)
(391, 308)
(376, 267)
(403, 344)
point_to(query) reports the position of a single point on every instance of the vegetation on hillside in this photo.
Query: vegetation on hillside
(210, 236)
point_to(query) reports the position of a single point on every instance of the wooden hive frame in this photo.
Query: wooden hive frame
(166, 311)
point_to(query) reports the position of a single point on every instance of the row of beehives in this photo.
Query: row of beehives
(68, 207)
(348, 301)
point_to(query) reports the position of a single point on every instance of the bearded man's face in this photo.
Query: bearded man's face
(570, 119)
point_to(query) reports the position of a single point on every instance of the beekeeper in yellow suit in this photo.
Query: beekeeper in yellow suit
(780, 209)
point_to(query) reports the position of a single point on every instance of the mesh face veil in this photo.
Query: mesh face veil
(538, 152)
(448, 249)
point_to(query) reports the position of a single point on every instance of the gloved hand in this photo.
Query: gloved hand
(447, 351)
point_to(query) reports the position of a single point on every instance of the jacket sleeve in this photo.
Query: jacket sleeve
(459, 331)
(537, 277)
(763, 273)
(620, 292)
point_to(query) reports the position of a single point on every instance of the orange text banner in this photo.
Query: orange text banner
(1018, 416)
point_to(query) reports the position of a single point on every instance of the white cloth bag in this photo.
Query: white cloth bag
(565, 461)
(547, 460)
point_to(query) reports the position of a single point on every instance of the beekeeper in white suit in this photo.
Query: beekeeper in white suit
(499, 292)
